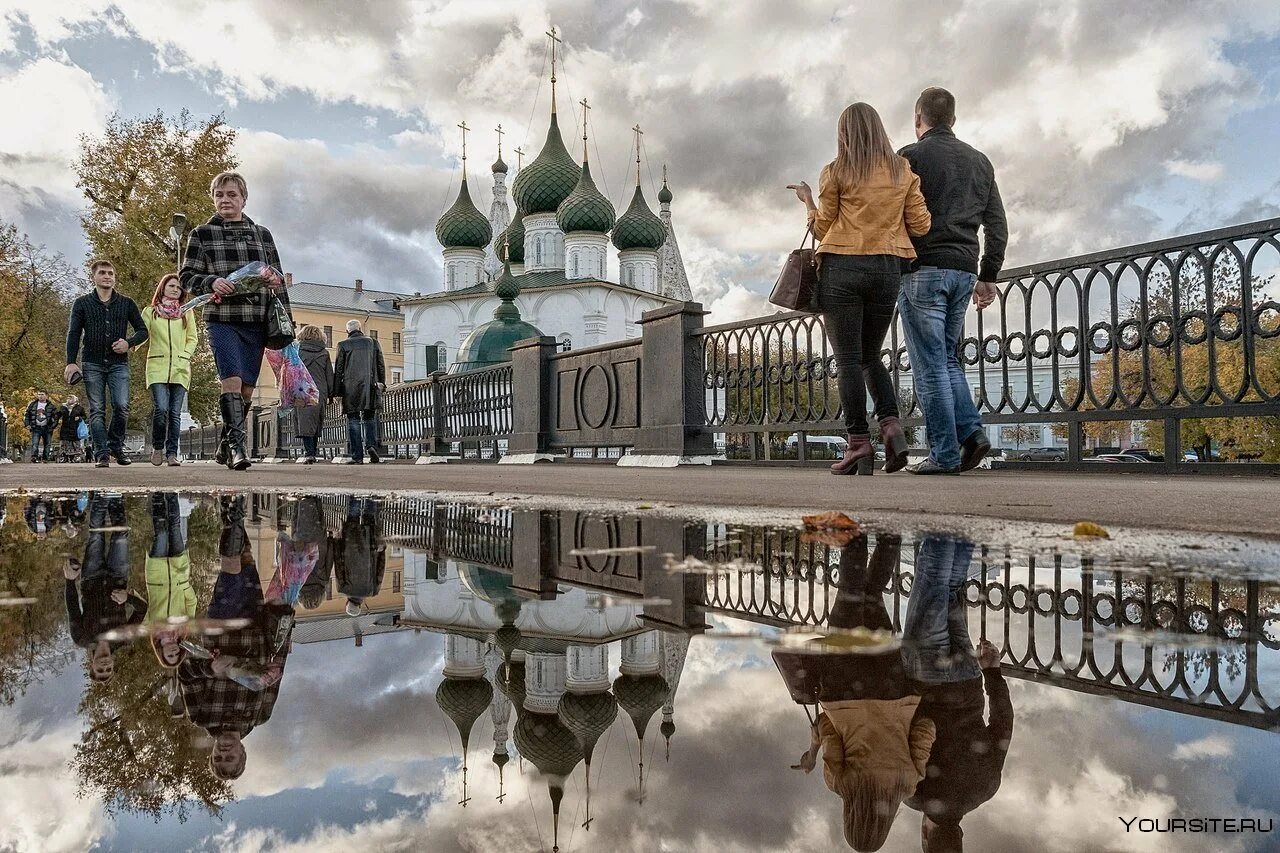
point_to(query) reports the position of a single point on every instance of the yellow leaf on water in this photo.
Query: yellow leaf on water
(1089, 530)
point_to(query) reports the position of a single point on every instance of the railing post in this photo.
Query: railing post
(1075, 442)
(1172, 445)
(531, 403)
(279, 449)
(535, 536)
(673, 419)
(255, 413)
(436, 445)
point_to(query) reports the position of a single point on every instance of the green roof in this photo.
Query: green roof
(639, 227)
(588, 716)
(463, 226)
(586, 209)
(640, 696)
(545, 741)
(514, 238)
(664, 194)
(464, 700)
(490, 344)
(549, 179)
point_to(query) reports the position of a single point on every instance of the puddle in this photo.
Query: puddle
(266, 671)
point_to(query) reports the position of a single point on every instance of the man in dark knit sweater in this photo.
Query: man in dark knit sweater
(103, 318)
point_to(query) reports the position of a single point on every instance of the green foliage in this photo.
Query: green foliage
(135, 177)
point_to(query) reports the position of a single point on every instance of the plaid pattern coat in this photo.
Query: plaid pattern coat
(217, 249)
(219, 704)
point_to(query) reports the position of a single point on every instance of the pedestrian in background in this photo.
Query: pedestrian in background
(869, 204)
(41, 417)
(71, 419)
(171, 343)
(310, 419)
(359, 379)
(101, 320)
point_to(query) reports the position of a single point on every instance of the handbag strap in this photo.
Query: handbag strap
(809, 236)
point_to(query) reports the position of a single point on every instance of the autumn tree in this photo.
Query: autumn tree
(135, 176)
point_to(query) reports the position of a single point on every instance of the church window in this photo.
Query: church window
(631, 277)
(442, 355)
(575, 264)
(537, 251)
(452, 269)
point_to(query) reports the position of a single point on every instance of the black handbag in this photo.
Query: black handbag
(280, 331)
(797, 286)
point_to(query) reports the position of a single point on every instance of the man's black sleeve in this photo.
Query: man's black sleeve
(135, 322)
(995, 234)
(74, 332)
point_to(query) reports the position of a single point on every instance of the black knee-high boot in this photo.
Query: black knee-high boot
(233, 411)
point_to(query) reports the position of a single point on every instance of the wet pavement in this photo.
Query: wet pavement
(264, 671)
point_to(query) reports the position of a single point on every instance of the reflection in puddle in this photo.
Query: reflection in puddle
(222, 642)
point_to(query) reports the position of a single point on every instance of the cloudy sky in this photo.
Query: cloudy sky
(1108, 123)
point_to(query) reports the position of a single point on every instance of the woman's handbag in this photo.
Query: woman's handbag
(280, 331)
(797, 286)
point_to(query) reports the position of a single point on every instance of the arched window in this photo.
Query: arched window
(566, 342)
(537, 251)
(631, 277)
(442, 355)
(452, 270)
(574, 258)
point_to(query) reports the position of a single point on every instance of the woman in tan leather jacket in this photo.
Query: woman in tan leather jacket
(869, 205)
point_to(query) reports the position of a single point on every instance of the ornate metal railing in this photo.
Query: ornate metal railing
(1166, 331)
(1194, 645)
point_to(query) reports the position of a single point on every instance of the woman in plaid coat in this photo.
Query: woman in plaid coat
(236, 322)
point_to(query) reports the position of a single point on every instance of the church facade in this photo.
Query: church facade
(556, 249)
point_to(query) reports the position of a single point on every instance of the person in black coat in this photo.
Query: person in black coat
(360, 557)
(70, 415)
(359, 379)
(310, 419)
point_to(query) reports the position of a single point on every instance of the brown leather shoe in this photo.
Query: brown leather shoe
(859, 457)
(895, 444)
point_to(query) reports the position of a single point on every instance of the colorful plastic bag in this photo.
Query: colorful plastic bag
(297, 388)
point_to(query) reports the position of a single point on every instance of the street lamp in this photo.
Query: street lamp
(177, 226)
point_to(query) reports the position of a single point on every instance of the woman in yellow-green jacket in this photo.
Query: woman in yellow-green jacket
(170, 598)
(171, 342)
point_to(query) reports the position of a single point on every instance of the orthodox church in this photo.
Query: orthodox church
(543, 270)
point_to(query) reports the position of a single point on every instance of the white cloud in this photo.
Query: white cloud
(1207, 171)
(39, 808)
(1214, 746)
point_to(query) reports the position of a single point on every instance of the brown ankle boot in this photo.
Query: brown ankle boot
(895, 444)
(859, 458)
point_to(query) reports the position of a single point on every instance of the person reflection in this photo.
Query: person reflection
(97, 589)
(308, 532)
(170, 597)
(231, 682)
(968, 755)
(874, 741)
(361, 556)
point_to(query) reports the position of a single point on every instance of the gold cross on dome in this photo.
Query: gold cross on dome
(465, 130)
(519, 159)
(499, 131)
(585, 109)
(639, 133)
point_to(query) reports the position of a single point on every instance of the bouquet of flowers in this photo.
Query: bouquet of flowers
(252, 278)
(297, 388)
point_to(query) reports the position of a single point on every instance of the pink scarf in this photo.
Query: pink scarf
(170, 309)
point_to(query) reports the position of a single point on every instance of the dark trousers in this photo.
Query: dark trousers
(310, 445)
(857, 303)
(166, 416)
(362, 433)
(101, 379)
(40, 439)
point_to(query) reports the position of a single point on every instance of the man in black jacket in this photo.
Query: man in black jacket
(102, 318)
(959, 187)
(41, 417)
(359, 377)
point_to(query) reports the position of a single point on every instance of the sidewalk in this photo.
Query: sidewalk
(1209, 504)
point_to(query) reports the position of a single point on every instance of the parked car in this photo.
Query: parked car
(1119, 457)
(820, 446)
(1039, 454)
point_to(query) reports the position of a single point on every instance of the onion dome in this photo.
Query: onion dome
(464, 700)
(490, 344)
(640, 696)
(463, 226)
(588, 716)
(586, 208)
(664, 194)
(499, 167)
(545, 741)
(513, 238)
(639, 227)
(549, 179)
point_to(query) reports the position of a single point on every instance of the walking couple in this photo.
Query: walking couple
(902, 230)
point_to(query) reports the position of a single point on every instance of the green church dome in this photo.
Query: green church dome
(664, 194)
(588, 716)
(514, 238)
(586, 208)
(463, 226)
(490, 344)
(640, 696)
(545, 741)
(639, 227)
(464, 700)
(549, 179)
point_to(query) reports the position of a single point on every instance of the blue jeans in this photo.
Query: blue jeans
(935, 634)
(166, 418)
(99, 379)
(362, 433)
(933, 304)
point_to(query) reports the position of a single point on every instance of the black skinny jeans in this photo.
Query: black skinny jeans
(857, 295)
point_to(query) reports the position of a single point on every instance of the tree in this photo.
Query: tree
(135, 177)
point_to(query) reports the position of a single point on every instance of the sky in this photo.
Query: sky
(1108, 124)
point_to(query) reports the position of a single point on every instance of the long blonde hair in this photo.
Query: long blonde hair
(862, 147)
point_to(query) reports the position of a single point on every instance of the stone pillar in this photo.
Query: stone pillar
(463, 657)
(588, 669)
(685, 591)
(673, 417)
(531, 403)
(535, 538)
(595, 328)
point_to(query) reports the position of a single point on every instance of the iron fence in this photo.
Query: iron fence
(1168, 332)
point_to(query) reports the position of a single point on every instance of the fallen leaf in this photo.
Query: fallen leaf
(830, 521)
(831, 538)
(1089, 530)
